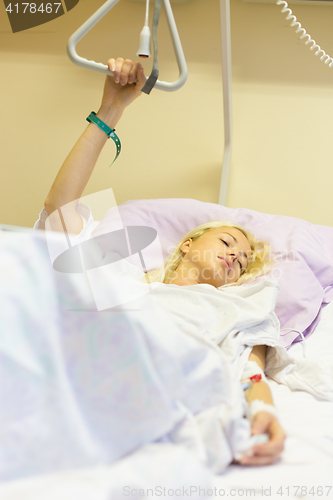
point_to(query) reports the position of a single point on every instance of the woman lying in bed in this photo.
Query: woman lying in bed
(213, 254)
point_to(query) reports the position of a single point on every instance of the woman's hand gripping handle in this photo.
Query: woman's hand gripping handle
(119, 92)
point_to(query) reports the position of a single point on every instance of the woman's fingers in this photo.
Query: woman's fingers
(118, 66)
(275, 445)
(268, 453)
(141, 78)
(112, 64)
(264, 454)
(277, 436)
(120, 69)
(125, 85)
(134, 72)
(262, 460)
(125, 71)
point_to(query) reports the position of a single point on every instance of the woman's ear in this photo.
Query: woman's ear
(186, 245)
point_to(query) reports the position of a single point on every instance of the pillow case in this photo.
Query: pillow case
(303, 252)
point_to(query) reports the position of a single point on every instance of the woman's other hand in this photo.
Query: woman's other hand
(268, 453)
(126, 84)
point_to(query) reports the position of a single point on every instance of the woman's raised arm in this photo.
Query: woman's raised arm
(119, 92)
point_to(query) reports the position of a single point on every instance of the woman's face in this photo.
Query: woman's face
(217, 258)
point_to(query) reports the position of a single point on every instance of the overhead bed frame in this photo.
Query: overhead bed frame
(226, 71)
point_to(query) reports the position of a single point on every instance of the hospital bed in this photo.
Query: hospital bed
(304, 270)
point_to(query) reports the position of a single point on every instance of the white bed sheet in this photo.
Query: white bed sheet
(165, 471)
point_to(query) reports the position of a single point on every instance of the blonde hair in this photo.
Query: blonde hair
(259, 263)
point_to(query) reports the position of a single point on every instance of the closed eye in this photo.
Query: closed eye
(240, 264)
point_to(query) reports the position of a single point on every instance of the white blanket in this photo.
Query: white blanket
(234, 318)
(83, 385)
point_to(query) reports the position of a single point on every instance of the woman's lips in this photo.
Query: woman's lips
(227, 263)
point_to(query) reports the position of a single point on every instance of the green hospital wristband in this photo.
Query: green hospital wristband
(109, 132)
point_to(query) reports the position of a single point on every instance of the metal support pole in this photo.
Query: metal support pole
(227, 104)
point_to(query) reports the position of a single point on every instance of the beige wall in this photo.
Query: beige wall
(173, 142)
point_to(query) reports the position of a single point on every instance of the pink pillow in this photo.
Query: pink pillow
(303, 251)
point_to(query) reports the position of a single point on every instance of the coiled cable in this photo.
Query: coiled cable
(324, 57)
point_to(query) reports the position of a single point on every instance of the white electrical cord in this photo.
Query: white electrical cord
(145, 37)
(324, 57)
(147, 14)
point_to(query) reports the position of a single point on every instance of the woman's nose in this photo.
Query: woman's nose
(233, 252)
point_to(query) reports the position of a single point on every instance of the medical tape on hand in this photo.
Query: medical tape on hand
(150, 83)
(258, 405)
(251, 369)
